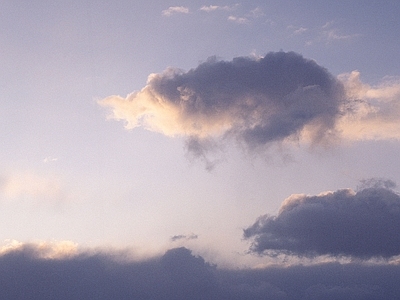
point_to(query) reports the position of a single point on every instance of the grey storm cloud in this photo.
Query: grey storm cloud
(362, 224)
(255, 101)
(178, 274)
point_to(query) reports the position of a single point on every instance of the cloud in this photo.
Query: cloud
(50, 159)
(31, 186)
(255, 101)
(239, 20)
(41, 250)
(332, 34)
(258, 102)
(360, 224)
(297, 30)
(175, 10)
(184, 237)
(178, 274)
(211, 8)
(373, 112)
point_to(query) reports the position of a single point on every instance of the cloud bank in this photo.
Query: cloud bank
(361, 224)
(178, 274)
(259, 102)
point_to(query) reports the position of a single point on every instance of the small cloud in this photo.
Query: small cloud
(239, 20)
(333, 34)
(175, 10)
(50, 159)
(297, 30)
(256, 13)
(300, 30)
(213, 8)
(184, 237)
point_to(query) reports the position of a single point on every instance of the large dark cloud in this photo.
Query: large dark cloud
(256, 101)
(180, 275)
(361, 224)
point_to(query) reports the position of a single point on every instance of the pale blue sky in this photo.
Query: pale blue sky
(69, 173)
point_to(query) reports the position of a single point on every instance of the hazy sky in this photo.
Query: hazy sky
(252, 133)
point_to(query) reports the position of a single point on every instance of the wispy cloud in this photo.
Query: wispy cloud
(50, 159)
(297, 30)
(373, 112)
(175, 10)
(30, 186)
(239, 20)
(331, 34)
(328, 34)
(211, 8)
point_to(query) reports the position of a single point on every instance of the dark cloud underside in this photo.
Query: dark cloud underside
(363, 224)
(180, 275)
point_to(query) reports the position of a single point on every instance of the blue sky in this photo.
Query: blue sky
(106, 144)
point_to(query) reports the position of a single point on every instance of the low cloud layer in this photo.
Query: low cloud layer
(178, 274)
(259, 102)
(361, 224)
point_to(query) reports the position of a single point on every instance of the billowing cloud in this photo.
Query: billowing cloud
(256, 101)
(360, 224)
(175, 10)
(178, 274)
(261, 101)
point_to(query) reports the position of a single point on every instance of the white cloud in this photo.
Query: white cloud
(216, 7)
(50, 159)
(239, 20)
(175, 10)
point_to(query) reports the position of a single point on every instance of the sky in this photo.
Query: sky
(251, 145)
